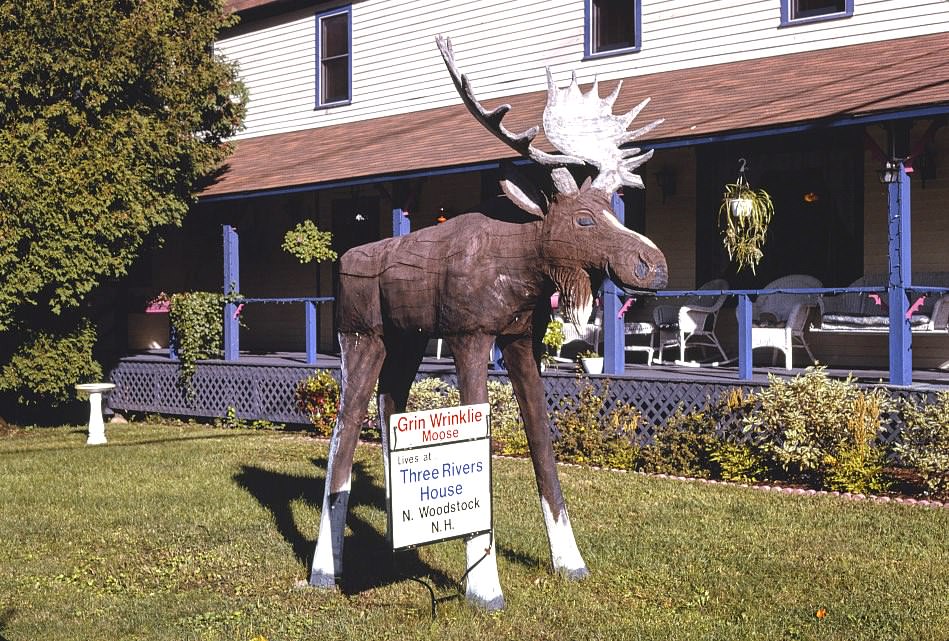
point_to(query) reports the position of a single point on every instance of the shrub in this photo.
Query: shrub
(588, 436)
(683, 445)
(45, 366)
(430, 394)
(111, 115)
(738, 462)
(857, 469)
(318, 396)
(507, 429)
(822, 429)
(306, 242)
(924, 442)
(198, 322)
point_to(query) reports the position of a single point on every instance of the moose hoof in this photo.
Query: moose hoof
(489, 605)
(574, 574)
(322, 580)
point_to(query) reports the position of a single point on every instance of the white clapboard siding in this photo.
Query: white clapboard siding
(504, 47)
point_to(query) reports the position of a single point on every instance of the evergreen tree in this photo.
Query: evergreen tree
(111, 112)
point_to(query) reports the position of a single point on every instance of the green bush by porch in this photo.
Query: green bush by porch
(110, 114)
(811, 430)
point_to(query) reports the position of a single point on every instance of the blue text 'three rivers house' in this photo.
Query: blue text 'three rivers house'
(354, 123)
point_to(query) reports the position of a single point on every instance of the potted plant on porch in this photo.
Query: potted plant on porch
(743, 218)
(553, 340)
(591, 362)
(306, 242)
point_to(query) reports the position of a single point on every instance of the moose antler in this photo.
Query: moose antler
(580, 125)
(491, 120)
(583, 125)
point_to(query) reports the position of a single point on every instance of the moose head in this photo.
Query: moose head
(584, 129)
(482, 279)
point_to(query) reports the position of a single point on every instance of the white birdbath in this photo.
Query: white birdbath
(96, 426)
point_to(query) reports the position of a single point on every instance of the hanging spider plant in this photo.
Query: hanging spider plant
(743, 219)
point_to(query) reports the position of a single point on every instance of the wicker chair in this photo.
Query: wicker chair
(691, 324)
(779, 321)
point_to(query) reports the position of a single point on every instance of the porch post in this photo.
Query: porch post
(310, 331)
(401, 225)
(744, 337)
(232, 285)
(900, 273)
(614, 354)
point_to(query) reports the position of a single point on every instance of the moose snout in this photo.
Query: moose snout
(639, 272)
(660, 276)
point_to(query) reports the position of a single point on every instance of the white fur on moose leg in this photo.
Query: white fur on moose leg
(483, 588)
(564, 553)
(328, 557)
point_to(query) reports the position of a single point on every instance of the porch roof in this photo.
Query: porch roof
(835, 86)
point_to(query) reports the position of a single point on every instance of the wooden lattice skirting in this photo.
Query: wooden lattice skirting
(265, 392)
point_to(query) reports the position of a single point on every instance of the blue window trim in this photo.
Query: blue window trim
(348, 10)
(787, 21)
(588, 52)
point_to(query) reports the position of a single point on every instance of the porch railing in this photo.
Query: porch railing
(900, 358)
(232, 314)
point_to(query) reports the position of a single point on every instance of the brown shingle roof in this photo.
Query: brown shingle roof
(242, 5)
(798, 88)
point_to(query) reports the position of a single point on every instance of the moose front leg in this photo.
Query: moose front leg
(483, 588)
(529, 390)
(361, 360)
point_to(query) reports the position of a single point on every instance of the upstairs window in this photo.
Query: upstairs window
(800, 11)
(334, 57)
(612, 27)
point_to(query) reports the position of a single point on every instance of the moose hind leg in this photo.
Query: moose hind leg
(483, 587)
(362, 357)
(529, 391)
(404, 354)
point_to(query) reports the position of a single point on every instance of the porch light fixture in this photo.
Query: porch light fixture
(890, 172)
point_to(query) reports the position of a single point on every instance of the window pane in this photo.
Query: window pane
(334, 80)
(613, 24)
(808, 8)
(334, 35)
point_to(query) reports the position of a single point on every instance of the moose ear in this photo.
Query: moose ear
(523, 193)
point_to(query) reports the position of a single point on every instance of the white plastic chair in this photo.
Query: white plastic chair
(691, 324)
(779, 321)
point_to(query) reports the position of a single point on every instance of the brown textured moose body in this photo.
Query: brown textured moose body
(481, 279)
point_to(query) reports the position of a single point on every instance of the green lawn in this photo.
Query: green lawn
(185, 532)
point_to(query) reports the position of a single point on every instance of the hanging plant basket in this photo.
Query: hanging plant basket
(743, 219)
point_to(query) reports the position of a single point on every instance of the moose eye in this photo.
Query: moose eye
(585, 221)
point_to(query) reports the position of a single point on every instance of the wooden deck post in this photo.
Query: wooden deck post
(744, 337)
(900, 273)
(232, 285)
(311, 328)
(614, 354)
(401, 225)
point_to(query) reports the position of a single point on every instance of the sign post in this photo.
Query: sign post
(439, 475)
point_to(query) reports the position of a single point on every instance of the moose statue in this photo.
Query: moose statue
(482, 279)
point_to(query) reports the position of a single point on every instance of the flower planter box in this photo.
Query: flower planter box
(158, 308)
(592, 365)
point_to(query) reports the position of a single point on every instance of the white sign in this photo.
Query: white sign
(439, 475)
